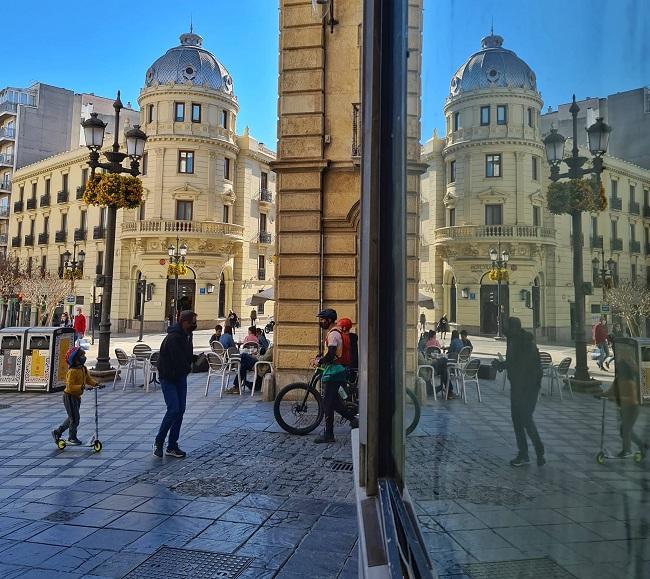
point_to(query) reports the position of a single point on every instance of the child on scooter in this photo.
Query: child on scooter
(77, 379)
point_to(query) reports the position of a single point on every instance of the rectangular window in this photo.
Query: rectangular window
(186, 161)
(64, 221)
(594, 227)
(632, 232)
(493, 165)
(493, 214)
(30, 264)
(456, 121)
(22, 193)
(46, 224)
(614, 184)
(452, 171)
(102, 217)
(179, 112)
(264, 181)
(452, 217)
(83, 221)
(84, 177)
(502, 114)
(32, 226)
(64, 184)
(531, 117)
(614, 230)
(262, 222)
(184, 210)
(143, 163)
(48, 184)
(224, 119)
(99, 267)
(537, 216)
(226, 213)
(196, 113)
(535, 168)
(226, 168)
(485, 116)
(632, 193)
(33, 190)
(20, 228)
(150, 113)
(261, 261)
(141, 212)
(43, 264)
(633, 272)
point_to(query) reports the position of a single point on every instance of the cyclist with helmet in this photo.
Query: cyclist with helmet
(333, 375)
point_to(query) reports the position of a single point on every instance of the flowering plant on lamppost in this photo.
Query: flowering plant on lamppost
(576, 195)
(499, 274)
(121, 191)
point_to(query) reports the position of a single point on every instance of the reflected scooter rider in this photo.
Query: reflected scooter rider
(333, 374)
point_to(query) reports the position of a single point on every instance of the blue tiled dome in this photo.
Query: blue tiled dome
(492, 66)
(189, 62)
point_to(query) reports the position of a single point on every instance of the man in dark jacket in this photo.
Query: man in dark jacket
(525, 375)
(175, 363)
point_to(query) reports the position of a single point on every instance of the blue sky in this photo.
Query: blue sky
(590, 47)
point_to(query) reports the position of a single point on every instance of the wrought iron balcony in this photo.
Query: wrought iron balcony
(60, 236)
(31, 203)
(99, 232)
(616, 203)
(29, 240)
(62, 197)
(4, 237)
(8, 107)
(80, 192)
(597, 242)
(634, 208)
(261, 274)
(635, 247)
(43, 238)
(264, 237)
(45, 200)
(80, 235)
(616, 244)
(15, 241)
(7, 134)
(266, 196)
(18, 206)
(5, 184)
(6, 159)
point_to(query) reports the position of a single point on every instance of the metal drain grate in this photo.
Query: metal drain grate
(172, 563)
(60, 516)
(340, 466)
(4, 406)
(523, 569)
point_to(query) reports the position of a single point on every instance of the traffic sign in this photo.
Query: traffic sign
(70, 300)
(604, 308)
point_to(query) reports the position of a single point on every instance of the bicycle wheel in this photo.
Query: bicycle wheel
(411, 411)
(298, 408)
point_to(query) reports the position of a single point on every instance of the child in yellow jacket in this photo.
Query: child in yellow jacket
(77, 379)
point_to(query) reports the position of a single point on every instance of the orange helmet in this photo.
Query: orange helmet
(345, 324)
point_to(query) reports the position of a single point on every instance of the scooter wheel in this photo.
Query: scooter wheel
(60, 443)
(600, 458)
(97, 446)
(638, 456)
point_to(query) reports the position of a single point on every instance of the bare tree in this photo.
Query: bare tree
(44, 291)
(631, 301)
(10, 277)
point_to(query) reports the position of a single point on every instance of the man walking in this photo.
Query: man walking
(525, 375)
(175, 363)
(79, 325)
(600, 334)
(333, 375)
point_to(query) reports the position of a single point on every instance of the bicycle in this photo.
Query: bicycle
(298, 407)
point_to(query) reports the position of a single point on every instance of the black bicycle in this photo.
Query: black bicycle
(299, 409)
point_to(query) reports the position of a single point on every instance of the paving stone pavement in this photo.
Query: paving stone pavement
(246, 488)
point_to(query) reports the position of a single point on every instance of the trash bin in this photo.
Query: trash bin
(45, 366)
(636, 351)
(12, 355)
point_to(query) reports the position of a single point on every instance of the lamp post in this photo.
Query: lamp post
(598, 135)
(177, 256)
(73, 263)
(499, 265)
(135, 139)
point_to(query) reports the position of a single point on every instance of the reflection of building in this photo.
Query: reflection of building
(205, 186)
(37, 122)
(486, 188)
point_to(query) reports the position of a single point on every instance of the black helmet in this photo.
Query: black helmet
(328, 314)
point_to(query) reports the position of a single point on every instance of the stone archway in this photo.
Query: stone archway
(186, 294)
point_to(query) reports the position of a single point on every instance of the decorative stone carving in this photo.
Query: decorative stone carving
(228, 197)
(449, 200)
(492, 195)
(537, 198)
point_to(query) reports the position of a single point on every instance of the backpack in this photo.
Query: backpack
(350, 351)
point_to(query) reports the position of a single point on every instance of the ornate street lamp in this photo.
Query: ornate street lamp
(135, 140)
(177, 255)
(598, 135)
(73, 263)
(499, 265)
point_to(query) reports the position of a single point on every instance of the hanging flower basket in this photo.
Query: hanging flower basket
(176, 269)
(499, 275)
(72, 274)
(115, 190)
(576, 195)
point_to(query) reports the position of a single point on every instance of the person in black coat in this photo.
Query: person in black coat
(175, 363)
(525, 375)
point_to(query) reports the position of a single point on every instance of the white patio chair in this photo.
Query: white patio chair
(469, 373)
(215, 366)
(152, 371)
(124, 362)
(218, 348)
(259, 364)
(548, 370)
(560, 374)
(455, 368)
(230, 368)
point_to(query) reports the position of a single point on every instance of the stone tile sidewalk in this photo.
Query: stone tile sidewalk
(246, 488)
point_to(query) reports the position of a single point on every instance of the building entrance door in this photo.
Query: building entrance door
(489, 304)
(222, 297)
(186, 291)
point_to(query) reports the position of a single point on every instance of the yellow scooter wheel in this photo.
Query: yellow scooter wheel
(60, 443)
(97, 446)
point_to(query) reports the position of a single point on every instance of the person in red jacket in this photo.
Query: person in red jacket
(599, 334)
(79, 325)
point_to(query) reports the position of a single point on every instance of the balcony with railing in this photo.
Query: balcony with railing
(43, 238)
(29, 240)
(18, 206)
(261, 274)
(31, 203)
(99, 232)
(62, 197)
(634, 208)
(45, 200)
(15, 241)
(4, 238)
(494, 232)
(7, 107)
(596, 241)
(80, 234)
(266, 196)
(264, 238)
(6, 159)
(80, 192)
(635, 247)
(60, 236)
(5, 185)
(191, 229)
(7, 134)
(4, 211)
(616, 244)
(616, 203)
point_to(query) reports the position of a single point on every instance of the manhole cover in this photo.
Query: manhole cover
(4, 406)
(172, 563)
(60, 516)
(340, 466)
(524, 569)
(210, 487)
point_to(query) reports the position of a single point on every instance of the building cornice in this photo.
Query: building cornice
(491, 93)
(497, 141)
(172, 90)
(173, 138)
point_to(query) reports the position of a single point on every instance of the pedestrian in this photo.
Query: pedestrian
(226, 339)
(443, 326)
(525, 374)
(174, 364)
(465, 340)
(254, 317)
(599, 334)
(79, 325)
(423, 322)
(64, 322)
(334, 374)
(218, 330)
(77, 379)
